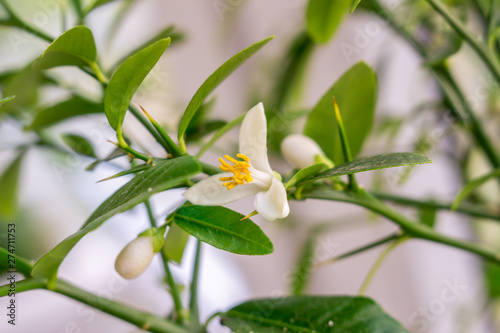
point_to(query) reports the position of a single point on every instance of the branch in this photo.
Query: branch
(491, 213)
(141, 319)
(411, 228)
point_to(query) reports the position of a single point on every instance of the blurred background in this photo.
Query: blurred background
(55, 194)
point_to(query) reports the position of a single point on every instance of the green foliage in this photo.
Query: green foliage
(428, 216)
(305, 173)
(9, 184)
(304, 266)
(175, 243)
(213, 81)
(136, 169)
(223, 228)
(355, 93)
(73, 107)
(7, 99)
(493, 279)
(324, 17)
(127, 79)
(472, 185)
(310, 314)
(355, 5)
(375, 162)
(24, 84)
(79, 145)
(22, 266)
(98, 3)
(76, 47)
(162, 176)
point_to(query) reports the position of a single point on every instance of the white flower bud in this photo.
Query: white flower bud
(300, 150)
(135, 257)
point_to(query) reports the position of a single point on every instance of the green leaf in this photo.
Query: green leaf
(127, 79)
(175, 243)
(75, 47)
(162, 176)
(223, 228)
(354, 5)
(375, 162)
(138, 168)
(7, 99)
(428, 216)
(204, 130)
(472, 185)
(303, 269)
(9, 183)
(356, 93)
(492, 272)
(213, 81)
(310, 314)
(21, 266)
(324, 17)
(305, 173)
(79, 145)
(24, 84)
(96, 4)
(73, 107)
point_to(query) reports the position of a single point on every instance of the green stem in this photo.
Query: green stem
(17, 21)
(193, 302)
(445, 80)
(174, 290)
(492, 213)
(482, 50)
(99, 74)
(171, 147)
(456, 98)
(378, 263)
(416, 230)
(209, 169)
(23, 266)
(136, 317)
(137, 114)
(140, 319)
(361, 249)
(79, 10)
(490, 20)
(23, 285)
(353, 184)
(124, 145)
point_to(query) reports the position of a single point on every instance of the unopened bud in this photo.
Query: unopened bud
(135, 257)
(301, 151)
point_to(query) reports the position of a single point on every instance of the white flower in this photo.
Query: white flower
(301, 151)
(135, 257)
(248, 176)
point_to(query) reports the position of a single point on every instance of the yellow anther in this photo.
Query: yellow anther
(243, 157)
(241, 174)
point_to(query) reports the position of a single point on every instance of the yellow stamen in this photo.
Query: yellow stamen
(241, 174)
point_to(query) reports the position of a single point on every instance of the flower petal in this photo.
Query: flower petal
(253, 138)
(210, 192)
(273, 204)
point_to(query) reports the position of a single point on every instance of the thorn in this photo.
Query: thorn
(147, 114)
(114, 143)
(250, 215)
